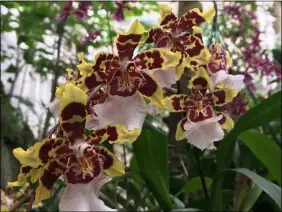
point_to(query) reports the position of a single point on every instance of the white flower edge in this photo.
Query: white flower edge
(204, 133)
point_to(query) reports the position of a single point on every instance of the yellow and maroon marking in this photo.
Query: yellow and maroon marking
(75, 172)
(149, 87)
(125, 83)
(126, 45)
(73, 118)
(53, 148)
(108, 162)
(149, 60)
(200, 114)
(169, 21)
(52, 171)
(192, 18)
(109, 133)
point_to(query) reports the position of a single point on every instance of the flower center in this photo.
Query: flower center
(85, 164)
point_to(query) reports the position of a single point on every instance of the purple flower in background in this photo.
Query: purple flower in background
(237, 107)
(66, 11)
(255, 57)
(119, 14)
(81, 12)
(92, 35)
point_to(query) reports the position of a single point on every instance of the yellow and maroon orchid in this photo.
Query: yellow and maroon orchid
(128, 83)
(218, 69)
(77, 157)
(203, 124)
(181, 35)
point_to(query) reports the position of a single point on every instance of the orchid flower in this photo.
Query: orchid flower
(218, 69)
(126, 82)
(73, 155)
(176, 35)
(202, 125)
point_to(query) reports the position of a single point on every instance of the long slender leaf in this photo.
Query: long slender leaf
(252, 196)
(266, 111)
(268, 187)
(263, 148)
(151, 151)
(194, 185)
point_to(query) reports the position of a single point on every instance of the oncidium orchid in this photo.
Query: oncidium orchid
(181, 35)
(202, 125)
(127, 82)
(218, 69)
(108, 99)
(73, 155)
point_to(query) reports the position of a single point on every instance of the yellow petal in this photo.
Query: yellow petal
(30, 156)
(180, 132)
(68, 93)
(4, 208)
(228, 122)
(117, 168)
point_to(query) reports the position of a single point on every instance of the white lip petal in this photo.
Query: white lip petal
(218, 77)
(92, 123)
(202, 134)
(165, 78)
(128, 111)
(84, 197)
(234, 81)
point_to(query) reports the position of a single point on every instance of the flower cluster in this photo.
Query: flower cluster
(111, 96)
(254, 55)
(80, 12)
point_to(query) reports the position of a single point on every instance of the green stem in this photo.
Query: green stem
(201, 172)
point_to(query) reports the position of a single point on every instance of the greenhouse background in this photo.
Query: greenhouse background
(40, 40)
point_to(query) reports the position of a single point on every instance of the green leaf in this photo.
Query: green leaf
(266, 111)
(252, 196)
(266, 150)
(151, 151)
(268, 187)
(194, 185)
(185, 209)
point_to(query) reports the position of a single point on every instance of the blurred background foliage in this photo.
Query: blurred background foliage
(161, 174)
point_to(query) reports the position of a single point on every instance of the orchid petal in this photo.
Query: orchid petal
(178, 103)
(113, 133)
(218, 77)
(84, 197)
(167, 19)
(202, 134)
(226, 122)
(165, 78)
(152, 90)
(201, 80)
(234, 81)
(72, 108)
(194, 17)
(128, 111)
(223, 96)
(180, 132)
(48, 173)
(127, 42)
(157, 58)
(197, 54)
(112, 165)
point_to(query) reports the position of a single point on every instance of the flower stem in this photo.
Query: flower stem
(201, 172)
